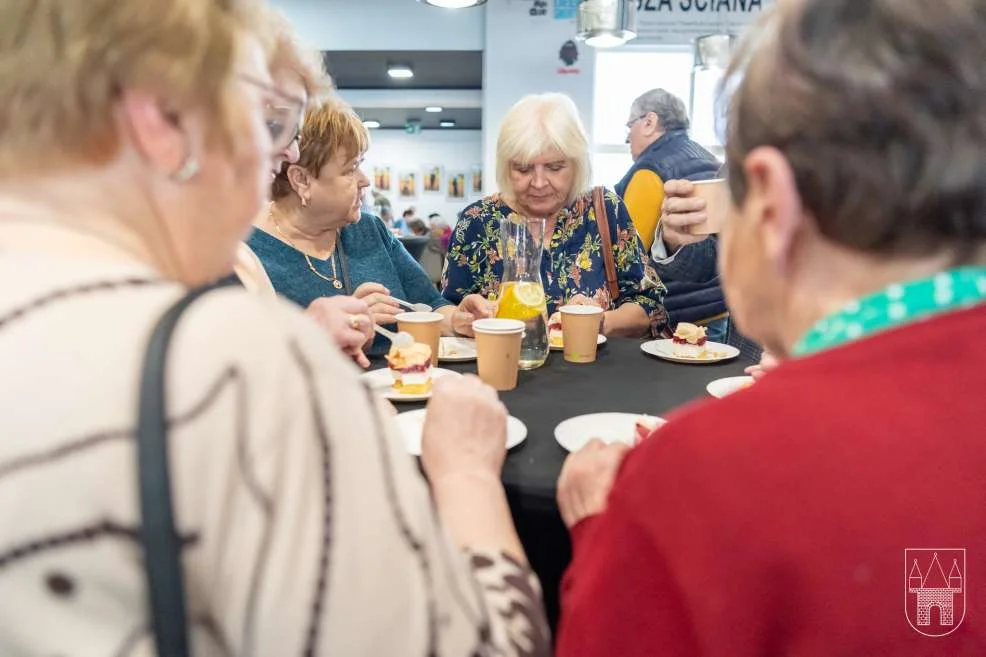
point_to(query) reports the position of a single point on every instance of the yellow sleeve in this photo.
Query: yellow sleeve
(643, 198)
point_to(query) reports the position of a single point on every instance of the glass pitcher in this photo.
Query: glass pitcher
(521, 294)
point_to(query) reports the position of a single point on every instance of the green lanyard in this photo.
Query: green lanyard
(901, 303)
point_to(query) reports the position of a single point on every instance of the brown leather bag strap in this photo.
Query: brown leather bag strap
(602, 222)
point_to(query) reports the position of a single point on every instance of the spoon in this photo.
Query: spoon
(416, 307)
(399, 340)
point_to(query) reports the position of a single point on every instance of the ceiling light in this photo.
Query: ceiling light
(606, 23)
(400, 71)
(371, 124)
(434, 109)
(447, 124)
(454, 4)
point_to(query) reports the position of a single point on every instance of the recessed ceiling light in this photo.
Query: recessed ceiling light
(371, 124)
(400, 71)
(454, 4)
(434, 109)
(447, 124)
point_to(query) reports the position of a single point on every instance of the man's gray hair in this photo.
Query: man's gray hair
(670, 109)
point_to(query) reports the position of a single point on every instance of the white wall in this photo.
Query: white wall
(384, 25)
(523, 57)
(454, 150)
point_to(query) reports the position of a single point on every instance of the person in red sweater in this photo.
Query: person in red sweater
(835, 507)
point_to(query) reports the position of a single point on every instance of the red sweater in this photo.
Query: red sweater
(775, 521)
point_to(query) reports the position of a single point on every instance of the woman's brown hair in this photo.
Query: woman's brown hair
(879, 106)
(330, 127)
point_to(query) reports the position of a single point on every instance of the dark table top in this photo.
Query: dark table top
(623, 379)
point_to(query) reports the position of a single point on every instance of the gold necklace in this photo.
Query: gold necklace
(336, 283)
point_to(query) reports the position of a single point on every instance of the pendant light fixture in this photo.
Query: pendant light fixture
(453, 4)
(606, 23)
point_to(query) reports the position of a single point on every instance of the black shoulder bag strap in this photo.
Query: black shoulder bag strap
(158, 535)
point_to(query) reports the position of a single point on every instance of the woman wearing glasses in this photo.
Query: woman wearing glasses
(127, 177)
(316, 242)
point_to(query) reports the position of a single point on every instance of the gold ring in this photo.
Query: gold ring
(355, 321)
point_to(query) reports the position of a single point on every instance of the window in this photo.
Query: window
(621, 76)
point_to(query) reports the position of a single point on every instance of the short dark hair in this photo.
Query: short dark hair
(880, 109)
(407, 212)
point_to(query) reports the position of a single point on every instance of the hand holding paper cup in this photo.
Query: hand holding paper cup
(498, 351)
(715, 193)
(580, 330)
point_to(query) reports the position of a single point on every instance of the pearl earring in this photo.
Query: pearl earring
(187, 171)
(304, 202)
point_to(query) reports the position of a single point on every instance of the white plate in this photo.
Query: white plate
(722, 387)
(382, 381)
(600, 340)
(575, 432)
(455, 350)
(715, 352)
(411, 423)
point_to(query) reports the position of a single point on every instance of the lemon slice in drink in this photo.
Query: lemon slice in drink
(529, 294)
(522, 301)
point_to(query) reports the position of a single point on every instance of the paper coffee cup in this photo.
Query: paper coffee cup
(498, 351)
(580, 331)
(717, 202)
(425, 328)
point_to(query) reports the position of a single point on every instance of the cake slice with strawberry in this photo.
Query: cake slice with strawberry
(411, 368)
(688, 340)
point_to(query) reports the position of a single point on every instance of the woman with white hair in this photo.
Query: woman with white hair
(543, 170)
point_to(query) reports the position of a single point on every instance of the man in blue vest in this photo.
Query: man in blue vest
(657, 132)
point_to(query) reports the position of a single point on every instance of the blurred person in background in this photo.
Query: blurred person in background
(129, 173)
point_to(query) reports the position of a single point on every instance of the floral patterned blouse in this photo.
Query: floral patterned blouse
(573, 264)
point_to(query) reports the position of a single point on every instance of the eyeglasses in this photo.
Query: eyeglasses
(634, 120)
(629, 125)
(283, 113)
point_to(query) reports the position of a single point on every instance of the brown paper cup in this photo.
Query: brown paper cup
(425, 328)
(580, 331)
(498, 351)
(716, 195)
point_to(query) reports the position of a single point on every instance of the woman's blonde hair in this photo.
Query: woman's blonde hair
(539, 123)
(64, 62)
(330, 127)
(286, 53)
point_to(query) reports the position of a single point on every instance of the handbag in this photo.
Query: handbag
(158, 534)
(602, 222)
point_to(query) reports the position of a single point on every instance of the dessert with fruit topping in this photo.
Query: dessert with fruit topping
(411, 368)
(688, 341)
(554, 331)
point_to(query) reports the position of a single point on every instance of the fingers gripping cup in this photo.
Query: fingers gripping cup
(425, 328)
(580, 331)
(498, 351)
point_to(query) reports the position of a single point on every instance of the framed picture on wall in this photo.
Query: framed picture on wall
(456, 185)
(477, 179)
(407, 185)
(381, 179)
(431, 179)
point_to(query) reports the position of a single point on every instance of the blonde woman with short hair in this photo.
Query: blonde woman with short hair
(543, 170)
(136, 147)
